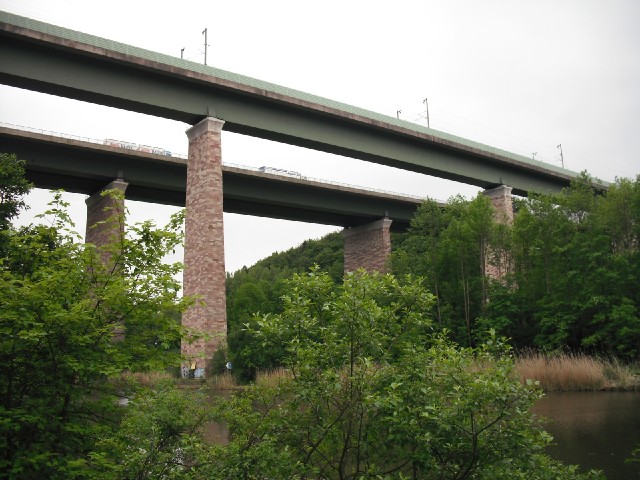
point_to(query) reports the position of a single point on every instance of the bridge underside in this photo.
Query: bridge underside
(63, 67)
(82, 167)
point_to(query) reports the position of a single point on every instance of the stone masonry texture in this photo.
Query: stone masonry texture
(497, 263)
(368, 246)
(204, 272)
(105, 226)
(105, 221)
(502, 203)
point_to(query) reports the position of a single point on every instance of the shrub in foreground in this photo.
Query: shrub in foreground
(372, 391)
(62, 316)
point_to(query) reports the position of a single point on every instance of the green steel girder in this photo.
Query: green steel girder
(158, 85)
(83, 167)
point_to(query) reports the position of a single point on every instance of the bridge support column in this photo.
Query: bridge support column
(502, 203)
(105, 218)
(105, 229)
(204, 273)
(368, 246)
(497, 263)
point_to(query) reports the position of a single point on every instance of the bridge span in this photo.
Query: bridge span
(85, 166)
(50, 59)
(46, 58)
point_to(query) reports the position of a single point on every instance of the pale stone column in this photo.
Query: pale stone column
(498, 263)
(105, 229)
(502, 203)
(204, 272)
(105, 218)
(368, 246)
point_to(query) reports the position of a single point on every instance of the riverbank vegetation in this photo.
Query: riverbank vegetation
(378, 386)
(563, 372)
(570, 267)
(369, 388)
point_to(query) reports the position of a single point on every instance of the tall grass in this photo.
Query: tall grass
(147, 379)
(222, 381)
(574, 371)
(272, 377)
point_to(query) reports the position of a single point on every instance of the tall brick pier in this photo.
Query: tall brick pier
(204, 272)
(105, 215)
(498, 263)
(368, 246)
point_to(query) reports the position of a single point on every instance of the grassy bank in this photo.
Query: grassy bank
(559, 372)
(575, 372)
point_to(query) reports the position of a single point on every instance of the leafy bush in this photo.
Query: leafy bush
(374, 392)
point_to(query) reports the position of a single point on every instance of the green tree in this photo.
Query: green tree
(374, 392)
(571, 263)
(451, 247)
(576, 263)
(13, 186)
(258, 289)
(69, 325)
(159, 437)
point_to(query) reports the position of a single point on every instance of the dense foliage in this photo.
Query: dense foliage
(70, 325)
(571, 263)
(371, 390)
(576, 271)
(258, 289)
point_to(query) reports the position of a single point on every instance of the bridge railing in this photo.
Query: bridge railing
(276, 172)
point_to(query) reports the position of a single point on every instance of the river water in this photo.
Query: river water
(594, 429)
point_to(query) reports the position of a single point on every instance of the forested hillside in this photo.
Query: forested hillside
(570, 268)
(259, 288)
(572, 265)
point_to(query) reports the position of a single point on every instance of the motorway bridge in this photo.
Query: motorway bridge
(54, 60)
(85, 166)
(50, 59)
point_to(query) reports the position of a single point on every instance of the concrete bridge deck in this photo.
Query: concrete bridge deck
(55, 60)
(84, 166)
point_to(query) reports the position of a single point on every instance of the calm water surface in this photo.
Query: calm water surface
(594, 429)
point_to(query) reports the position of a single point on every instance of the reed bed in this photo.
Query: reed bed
(147, 379)
(223, 381)
(574, 371)
(272, 377)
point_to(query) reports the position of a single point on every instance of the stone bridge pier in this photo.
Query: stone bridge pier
(498, 264)
(204, 272)
(368, 246)
(105, 218)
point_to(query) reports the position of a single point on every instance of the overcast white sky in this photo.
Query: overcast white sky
(521, 75)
